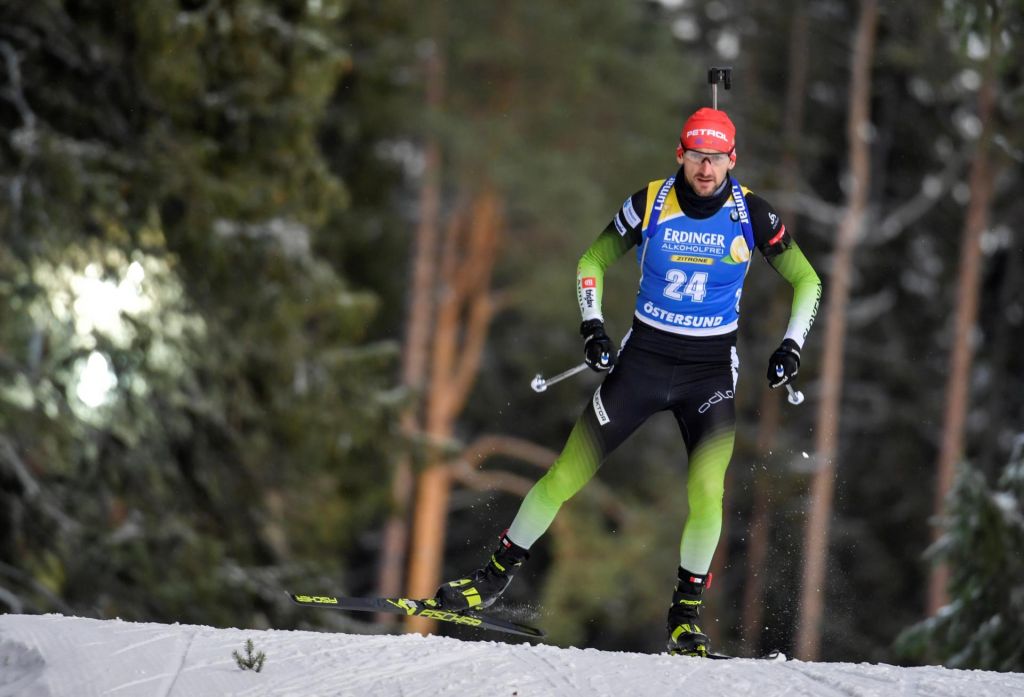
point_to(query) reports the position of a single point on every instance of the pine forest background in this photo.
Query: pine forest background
(275, 278)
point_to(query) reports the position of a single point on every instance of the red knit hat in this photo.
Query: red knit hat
(708, 129)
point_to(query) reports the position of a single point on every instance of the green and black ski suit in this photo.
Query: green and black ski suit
(680, 354)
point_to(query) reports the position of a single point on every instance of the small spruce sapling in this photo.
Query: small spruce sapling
(252, 660)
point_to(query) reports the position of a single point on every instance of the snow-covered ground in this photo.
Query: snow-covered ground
(53, 656)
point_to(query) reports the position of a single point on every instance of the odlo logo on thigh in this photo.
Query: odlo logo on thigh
(717, 397)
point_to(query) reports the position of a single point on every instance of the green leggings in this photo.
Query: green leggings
(699, 395)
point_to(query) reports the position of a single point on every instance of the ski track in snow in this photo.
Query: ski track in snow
(57, 656)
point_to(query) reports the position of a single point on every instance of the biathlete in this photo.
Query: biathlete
(694, 234)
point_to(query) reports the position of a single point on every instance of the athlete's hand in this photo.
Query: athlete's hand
(598, 349)
(784, 364)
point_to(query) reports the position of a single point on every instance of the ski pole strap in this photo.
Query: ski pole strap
(659, 203)
(741, 210)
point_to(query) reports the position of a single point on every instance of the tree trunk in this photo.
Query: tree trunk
(958, 383)
(850, 227)
(416, 348)
(460, 331)
(760, 524)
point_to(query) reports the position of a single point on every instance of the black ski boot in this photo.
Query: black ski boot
(685, 637)
(482, 587)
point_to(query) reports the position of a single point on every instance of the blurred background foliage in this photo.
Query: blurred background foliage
(207, 210)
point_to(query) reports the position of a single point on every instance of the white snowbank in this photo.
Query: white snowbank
(56, 656)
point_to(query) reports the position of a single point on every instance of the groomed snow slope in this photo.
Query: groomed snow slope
(56, 656)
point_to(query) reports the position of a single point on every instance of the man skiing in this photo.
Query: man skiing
(695, 233)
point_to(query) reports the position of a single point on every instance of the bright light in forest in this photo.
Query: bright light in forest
(95, 381)
(96, 302)
(99, 305)
(100, 302)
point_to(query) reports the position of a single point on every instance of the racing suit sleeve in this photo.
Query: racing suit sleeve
(793, 266)
(621, 234)
(784, 255)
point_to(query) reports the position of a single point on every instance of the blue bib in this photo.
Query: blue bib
(692, 271)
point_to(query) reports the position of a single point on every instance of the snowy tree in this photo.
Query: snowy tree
(983, 545)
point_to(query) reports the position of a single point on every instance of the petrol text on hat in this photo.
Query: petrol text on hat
(707, 132)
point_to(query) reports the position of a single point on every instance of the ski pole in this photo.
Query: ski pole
(540, 383)
(795, 396)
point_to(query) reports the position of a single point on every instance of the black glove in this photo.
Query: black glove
(598, 349)
(784, 364)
